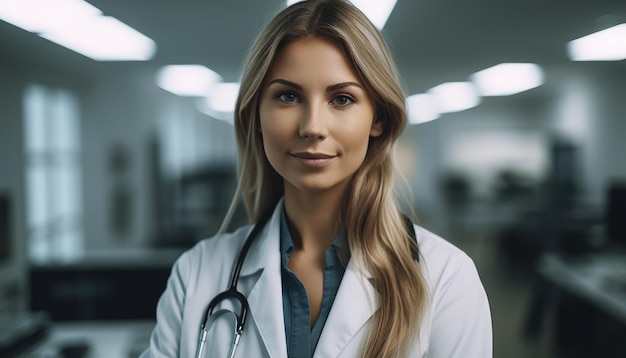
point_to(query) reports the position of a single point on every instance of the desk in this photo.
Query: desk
(590, 307)
(112, 285)
(106, 339)
(600, 279)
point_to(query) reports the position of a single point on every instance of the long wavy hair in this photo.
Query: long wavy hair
(369, 214)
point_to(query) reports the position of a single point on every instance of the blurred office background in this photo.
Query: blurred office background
(107, 173)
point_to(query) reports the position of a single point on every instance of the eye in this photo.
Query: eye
(343, 100)
(287, 97)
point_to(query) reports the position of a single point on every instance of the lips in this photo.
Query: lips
(309, 155)
(315, 160)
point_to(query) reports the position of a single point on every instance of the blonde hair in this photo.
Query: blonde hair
(375, 231)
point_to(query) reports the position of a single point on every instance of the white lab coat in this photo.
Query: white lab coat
(457, 322)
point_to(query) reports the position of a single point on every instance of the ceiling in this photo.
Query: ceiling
(433, 40)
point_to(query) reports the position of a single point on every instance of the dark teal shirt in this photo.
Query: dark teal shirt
(301, 339)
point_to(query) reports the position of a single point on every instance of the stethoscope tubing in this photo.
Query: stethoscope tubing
(232, 292)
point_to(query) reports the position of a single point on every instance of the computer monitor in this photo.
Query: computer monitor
(616, 214)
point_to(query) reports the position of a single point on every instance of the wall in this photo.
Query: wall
(128, 110)
(119, 112)
(11, 180)
(581, 102)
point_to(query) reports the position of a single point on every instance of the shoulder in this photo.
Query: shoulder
(438, 253)
(458, 321)
(214, 250)
(447, 268)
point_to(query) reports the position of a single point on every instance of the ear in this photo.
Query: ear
(377, 128)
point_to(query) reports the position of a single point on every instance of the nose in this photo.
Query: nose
(314, 123)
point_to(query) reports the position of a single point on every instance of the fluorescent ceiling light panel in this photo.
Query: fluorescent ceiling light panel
(507, 79)
(187, 80)
(223, 97)
(220, 104)
(455, 96)
(422, 108)
(104, 38)
(378, 11)
(45, 15)
(80, 27)
(202, 106)
(605, 45)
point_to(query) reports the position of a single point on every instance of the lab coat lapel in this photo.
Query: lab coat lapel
(353, 306)
(261, 278)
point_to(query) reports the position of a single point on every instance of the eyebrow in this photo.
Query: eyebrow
(328, 89)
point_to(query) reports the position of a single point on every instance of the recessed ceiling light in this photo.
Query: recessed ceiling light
(422, 108)
(223, 97)
(507, 79)
(187, 80)
(605, 45)
(220, 103)
(455, 96)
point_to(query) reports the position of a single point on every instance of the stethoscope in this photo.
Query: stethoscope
(233, 293)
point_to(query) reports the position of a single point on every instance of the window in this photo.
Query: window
(52, 173)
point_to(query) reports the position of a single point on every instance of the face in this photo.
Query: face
(316, 117)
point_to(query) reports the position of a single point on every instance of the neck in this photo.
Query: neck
(312, 218)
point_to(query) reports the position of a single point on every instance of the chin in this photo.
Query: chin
(320, 185)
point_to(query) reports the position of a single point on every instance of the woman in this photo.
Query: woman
(335, 271)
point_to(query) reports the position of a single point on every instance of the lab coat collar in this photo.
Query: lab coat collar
(260, 277)
(266, 246)
(353, 306)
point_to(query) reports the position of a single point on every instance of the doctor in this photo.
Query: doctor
(335, 271)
